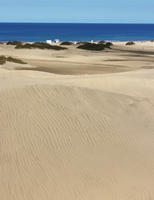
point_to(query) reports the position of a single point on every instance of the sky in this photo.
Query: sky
(77, 11)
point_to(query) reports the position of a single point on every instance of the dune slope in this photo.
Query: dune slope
(85, 137)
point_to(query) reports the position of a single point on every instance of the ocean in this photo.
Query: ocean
(75, 32)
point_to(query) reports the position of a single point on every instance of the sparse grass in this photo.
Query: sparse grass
(15, 60)
(39, 45)
(14, 43)
(2, 60)
(66, 43)
(130, 43)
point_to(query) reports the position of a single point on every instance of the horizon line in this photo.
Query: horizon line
(78, 22)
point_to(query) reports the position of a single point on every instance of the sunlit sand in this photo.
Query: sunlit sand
(77, 125)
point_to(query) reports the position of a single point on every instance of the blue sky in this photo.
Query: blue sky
(95, 11)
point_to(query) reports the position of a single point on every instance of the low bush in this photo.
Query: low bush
(39, 45)
(66, 43)
(130, 43)
(152, 40)
(102, 42)
(92, 47)
(108, 45)
(2, 60)
(23, 46)
(81, 43)
(14, 43)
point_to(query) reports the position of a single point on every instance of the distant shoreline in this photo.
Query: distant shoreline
(73, 23)
(122, 41)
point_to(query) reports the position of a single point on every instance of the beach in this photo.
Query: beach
(77, 124)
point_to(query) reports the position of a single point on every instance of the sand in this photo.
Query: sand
(85, 135)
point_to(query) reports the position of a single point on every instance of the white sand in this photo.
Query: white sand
(85, 137)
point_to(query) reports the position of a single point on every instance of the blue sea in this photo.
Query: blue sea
(75, 32)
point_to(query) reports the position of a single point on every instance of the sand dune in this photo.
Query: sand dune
(120, 58)
(76, 137)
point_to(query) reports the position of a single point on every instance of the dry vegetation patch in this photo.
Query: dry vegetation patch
(4, 59)
(94, 46)
(39, 45)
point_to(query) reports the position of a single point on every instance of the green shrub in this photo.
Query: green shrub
(2, 60)
(102, 42)
(66, 43)
(81, 43)
(14, 43)
(108, 45)
(15, 60)
(39, 45)
(92, 47)
(130, 43)
(23, 46)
